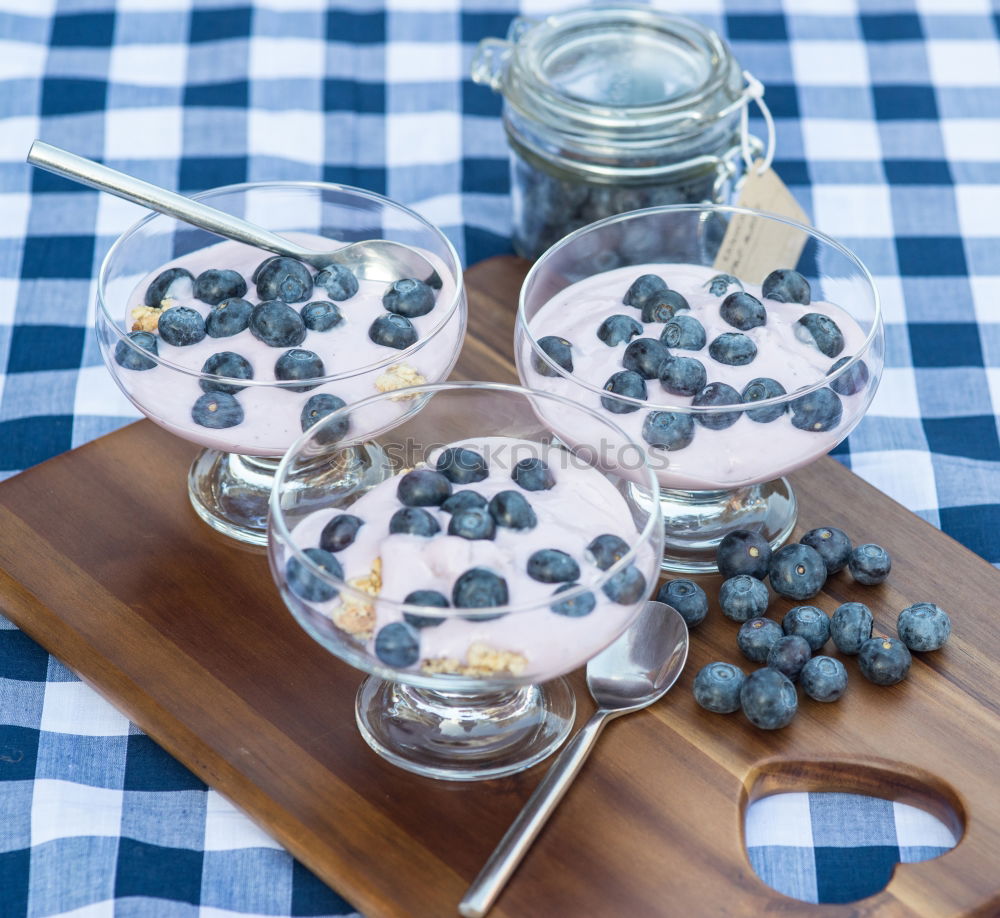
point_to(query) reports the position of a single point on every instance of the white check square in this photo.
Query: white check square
(853, 210)
(227, 828)
(830, 63)
(781, 819)
(74, 707)
(63, 809)
(143, 133)
(841, 139)
(148, 65)
(964, 63)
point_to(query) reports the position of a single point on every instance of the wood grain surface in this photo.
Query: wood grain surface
(103, 561)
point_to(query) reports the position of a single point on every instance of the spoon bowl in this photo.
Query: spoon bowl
(370, 259)
(634, 672)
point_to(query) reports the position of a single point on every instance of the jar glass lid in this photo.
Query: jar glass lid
(624, 69)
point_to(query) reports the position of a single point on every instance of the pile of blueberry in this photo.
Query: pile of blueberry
(767, 696)
(471, 516)
(279, 282)
(668, 358)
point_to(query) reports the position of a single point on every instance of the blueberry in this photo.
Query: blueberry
(823, 679)
(338, 282)
(168, 285)
(850, 382)
(277, 324)
(425, 598)
(684, 332)
(340, 532)
(228, 317)
(130, 356)
(624, 382)
(808, 622)
(582, 605)
(397, 644)
(606, 549)
(923, 627)
(283, 278)
(682, 375)
(181, 326)
(394, 331)
(549, 565)
(833, 545)
(462, 466)
(663, 305)
(733, 349)
(645, 356)
(533, 475)
(227, 364)
(321, 315)
(687, 598)
(743, 551)
(309, 586)
(719, 284)
(626, 587)
(743, 311)
(510, 509)
(717, 687)
(758, 389)
(217, 410)
(559, 350)
(299, 364)
(797, 571)
(473, 524)
(717, 393)
(822, 331)
(423, 488)
(408, 297)
(786, 286)
(884, 660)
(869, 564)
(317, 408)
(817, 411)
(743, 597)
(214, 286)
(788, 655)
(413, 521)
(618, 329)
(465, 500)
(479, 588)
(768, 699)
(851, 626)
(669, 430)
(643, 287)
(755, 637)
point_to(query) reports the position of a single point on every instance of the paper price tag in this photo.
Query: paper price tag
(752, 249)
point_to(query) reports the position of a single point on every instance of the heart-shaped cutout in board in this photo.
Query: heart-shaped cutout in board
(834, 832)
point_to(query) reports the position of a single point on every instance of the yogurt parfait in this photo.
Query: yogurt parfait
(475, 559)
(240, 350)
(728, 382)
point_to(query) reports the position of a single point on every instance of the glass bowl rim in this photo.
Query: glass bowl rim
(394, 358)
(873, 335)
(277, 527)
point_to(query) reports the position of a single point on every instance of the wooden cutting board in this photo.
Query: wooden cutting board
(103, 562)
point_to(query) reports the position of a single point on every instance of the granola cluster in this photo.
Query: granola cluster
(481, 660)
(399, 376)
(146, 318)
(355, 616)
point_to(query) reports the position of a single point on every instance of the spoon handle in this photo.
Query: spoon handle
(502, 863)
(86, 171)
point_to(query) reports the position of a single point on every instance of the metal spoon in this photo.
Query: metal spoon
(631, 674)
(374, 259)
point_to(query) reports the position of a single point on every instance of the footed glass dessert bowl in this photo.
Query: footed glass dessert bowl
(466, 560)
(728, 382)
(239, 350)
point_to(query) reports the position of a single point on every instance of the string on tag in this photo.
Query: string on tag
(755, 91)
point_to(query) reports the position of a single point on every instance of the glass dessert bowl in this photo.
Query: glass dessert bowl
(471, 563)
(238, 350)
(729, 383)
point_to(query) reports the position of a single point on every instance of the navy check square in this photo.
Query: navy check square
(888, 132)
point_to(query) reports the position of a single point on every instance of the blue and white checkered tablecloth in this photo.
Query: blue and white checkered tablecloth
(888, 126)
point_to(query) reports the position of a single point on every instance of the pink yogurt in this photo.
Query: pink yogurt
(272, 413)
(746, 453)
(582, 504)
